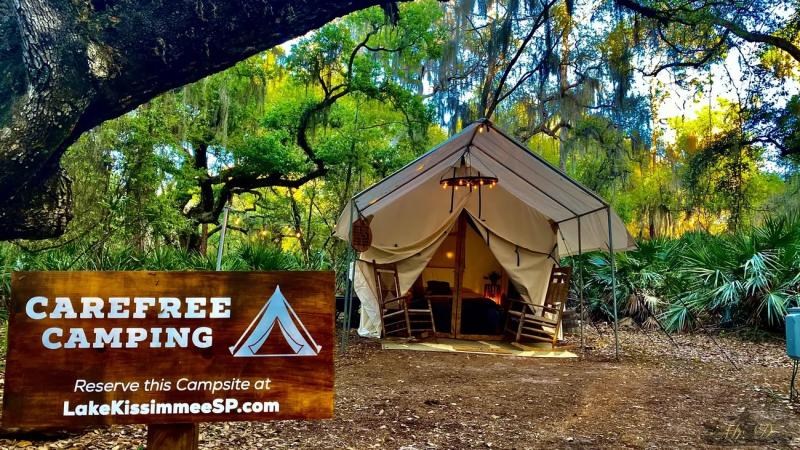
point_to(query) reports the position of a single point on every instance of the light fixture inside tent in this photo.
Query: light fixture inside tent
(463, 174)
(466, 176)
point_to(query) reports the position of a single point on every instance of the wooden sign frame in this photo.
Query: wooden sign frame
(202, 339)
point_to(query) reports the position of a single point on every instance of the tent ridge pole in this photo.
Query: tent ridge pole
(474, 132)
(546, 163)
(578, 216)
(613, 282)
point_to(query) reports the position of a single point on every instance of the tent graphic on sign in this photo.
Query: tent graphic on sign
(275, 331)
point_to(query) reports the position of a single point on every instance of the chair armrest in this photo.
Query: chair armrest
(546, 308)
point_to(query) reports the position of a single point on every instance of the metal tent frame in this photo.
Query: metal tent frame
(489, 126)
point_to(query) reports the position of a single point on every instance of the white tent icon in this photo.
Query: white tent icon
(275, 331)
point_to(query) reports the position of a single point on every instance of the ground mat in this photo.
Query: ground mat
(527, 350)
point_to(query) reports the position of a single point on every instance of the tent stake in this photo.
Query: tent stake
(613, 283)
(351, 273)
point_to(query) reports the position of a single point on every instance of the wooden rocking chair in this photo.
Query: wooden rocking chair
(541, 322)
(397, 314)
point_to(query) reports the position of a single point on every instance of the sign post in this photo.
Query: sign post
(168, 349)
(176, 436)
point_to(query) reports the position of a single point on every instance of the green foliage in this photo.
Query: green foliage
(789, 126)
(259, 257)
(748, 277)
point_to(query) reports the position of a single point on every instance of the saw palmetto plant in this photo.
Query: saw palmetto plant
(749, 277)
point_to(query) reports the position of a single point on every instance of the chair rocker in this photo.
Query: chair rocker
(540, 322)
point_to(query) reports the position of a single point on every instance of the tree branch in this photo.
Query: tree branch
(496, 96)
(676, 15)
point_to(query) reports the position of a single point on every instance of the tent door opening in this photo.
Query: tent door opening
(466, 285)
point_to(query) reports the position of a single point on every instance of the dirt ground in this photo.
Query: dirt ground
(655, 396)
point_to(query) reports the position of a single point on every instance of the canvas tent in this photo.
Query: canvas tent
(534, 215)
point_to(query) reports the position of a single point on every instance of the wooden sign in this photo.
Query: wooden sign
(362, 235)
(90, 348)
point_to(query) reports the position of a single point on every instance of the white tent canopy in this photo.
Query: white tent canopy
(534, 215)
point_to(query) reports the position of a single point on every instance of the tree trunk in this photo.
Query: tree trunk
(191, 239)
(204, 240)
(68, 65)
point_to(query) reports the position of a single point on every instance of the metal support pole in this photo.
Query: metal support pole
(581, 286)
(222, 237)
(613, 282)
(351, 273)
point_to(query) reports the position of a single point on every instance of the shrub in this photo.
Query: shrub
(750, 277)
